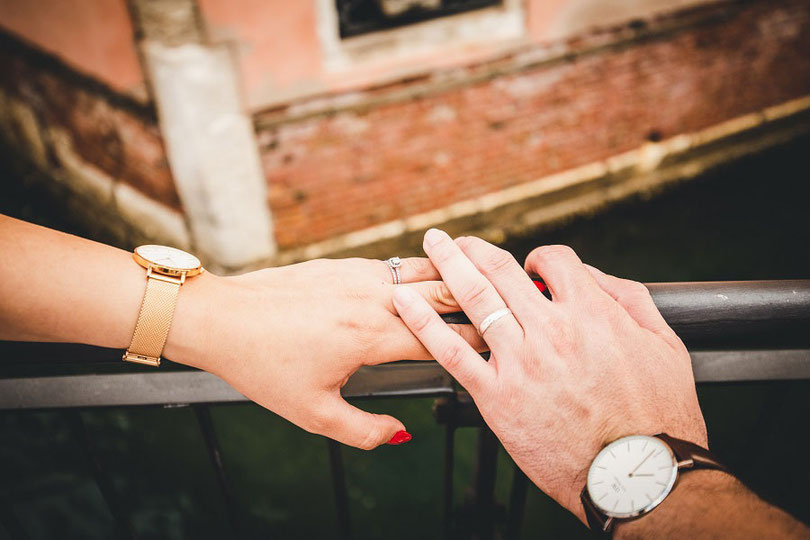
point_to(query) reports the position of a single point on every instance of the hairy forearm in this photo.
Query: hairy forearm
(62, 288)
(712, 504)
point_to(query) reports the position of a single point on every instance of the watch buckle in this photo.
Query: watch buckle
(141, 359)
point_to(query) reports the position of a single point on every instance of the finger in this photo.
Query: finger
(446, 346)
(411, 269)
(506, 275)
(634, 298)
(400, 343)
(563, 273)
(354, 427)
(415, 269)
(437, 295)
(474, 293)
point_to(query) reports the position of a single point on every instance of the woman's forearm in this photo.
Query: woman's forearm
(59, 287)
(256, 331)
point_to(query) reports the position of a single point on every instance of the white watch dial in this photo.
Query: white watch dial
(168, 257)
(632, 476)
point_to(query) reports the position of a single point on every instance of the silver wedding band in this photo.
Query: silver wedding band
(394, 263)
(491, 318)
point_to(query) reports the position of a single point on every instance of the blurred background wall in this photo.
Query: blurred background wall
(263, 132)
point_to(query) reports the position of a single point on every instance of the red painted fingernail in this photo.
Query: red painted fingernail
(400, 437)
(539, 284)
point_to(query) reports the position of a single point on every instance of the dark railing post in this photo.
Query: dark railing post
(339, 487)
(123, 529)
(483, 494)
(517, 504)
(449, 453)
(209, 435)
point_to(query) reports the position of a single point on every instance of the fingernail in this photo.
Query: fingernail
(400, 437)
(434, 236)
(403, 296)
(539, 284)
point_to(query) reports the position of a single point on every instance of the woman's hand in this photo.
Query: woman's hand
(566, 376)
(288, 338)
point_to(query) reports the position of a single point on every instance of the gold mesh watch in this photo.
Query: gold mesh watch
(166, 270)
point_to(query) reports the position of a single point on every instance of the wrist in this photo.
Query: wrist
(195, 315)
(693, 492)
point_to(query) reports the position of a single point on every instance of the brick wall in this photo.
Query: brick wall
(342, 163)
(107, 129)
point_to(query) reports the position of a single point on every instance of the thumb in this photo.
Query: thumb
(362, 429)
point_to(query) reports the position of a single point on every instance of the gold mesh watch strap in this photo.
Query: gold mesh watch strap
(154, 320)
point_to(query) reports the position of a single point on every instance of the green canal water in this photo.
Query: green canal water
(748, 220)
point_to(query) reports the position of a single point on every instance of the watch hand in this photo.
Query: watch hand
(642, 463)
(640, 474)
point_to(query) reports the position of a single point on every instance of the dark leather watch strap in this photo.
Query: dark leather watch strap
(689, 456)
(597, 521)
(685, 451)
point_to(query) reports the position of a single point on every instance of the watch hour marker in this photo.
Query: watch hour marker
(660, 483)
(600, 467)
(667, 466)
(615, 505)
(603, 496)
(648, 497)
(612, 454)
(597, 483)
(645, 445)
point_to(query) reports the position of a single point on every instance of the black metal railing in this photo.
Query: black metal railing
(736, 331)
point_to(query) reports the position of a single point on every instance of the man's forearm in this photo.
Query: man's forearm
(712, 504)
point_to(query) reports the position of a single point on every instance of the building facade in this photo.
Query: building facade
(264, 132)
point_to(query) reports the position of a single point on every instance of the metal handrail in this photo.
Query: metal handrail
(736, 331)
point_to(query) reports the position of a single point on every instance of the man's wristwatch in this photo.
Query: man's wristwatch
(633, 475)
(166, 270)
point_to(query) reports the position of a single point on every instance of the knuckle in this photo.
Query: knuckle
(418, 266)
(466, 242)
(561, 335)
(498, 260)
(421, 322)
(472, 294)
(441, 295)
(452, 356)
(372, 439)
(636, 289)
(634, 292)
(554, 252)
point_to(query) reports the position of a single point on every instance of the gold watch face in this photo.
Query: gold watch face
(167, 260)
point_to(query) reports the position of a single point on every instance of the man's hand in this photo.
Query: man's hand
(565, 376)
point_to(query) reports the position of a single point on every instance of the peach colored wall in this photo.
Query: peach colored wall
(93, 36)
(276, 41)
(282, 56)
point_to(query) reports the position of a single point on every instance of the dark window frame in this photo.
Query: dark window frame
(358, 17)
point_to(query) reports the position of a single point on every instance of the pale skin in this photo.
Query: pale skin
(566, 377)
(288, 338)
